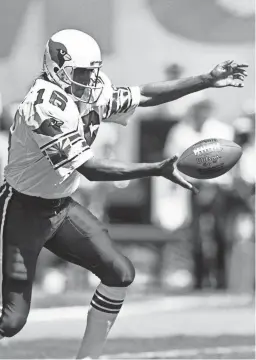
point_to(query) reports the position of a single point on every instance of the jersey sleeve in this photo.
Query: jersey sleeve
(56, 132)
(120, 102)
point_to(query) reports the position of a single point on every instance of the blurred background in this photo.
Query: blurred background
(178, 243)
(193, 296)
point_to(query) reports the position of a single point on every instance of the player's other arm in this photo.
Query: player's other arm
(110, 170)
(225, 74)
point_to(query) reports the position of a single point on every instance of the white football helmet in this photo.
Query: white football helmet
(72, 59)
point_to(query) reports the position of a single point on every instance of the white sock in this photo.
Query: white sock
(104, 308)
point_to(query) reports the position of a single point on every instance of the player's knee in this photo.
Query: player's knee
(128, 273)
(12, 324)
(123, 273)
(113, 268)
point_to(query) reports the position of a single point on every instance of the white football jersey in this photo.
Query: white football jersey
(52, 136)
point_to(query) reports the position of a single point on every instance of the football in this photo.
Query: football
(209, 158)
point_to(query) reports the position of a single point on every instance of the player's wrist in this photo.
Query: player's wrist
(157, 170)
(207, 79)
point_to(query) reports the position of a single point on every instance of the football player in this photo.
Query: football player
(49, 148)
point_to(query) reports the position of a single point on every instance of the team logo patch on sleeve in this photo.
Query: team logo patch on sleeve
(65, 149)
(58, 152)
(120, 102)
(50, 127)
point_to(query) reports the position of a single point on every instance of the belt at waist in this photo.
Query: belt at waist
(40, 202)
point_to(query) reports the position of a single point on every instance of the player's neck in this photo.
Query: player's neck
(44, 77)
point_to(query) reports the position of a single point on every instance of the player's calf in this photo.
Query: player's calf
(104, 309)
(105, 305)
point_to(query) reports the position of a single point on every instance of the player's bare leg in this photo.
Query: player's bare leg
(105, 306)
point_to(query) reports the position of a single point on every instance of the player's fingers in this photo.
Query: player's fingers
(236, 65)
(243, 65)
(236, 83)
(233, 64)
(239, 76)
(240, 71)
(172, 159)
(227, 62)
(178, 179)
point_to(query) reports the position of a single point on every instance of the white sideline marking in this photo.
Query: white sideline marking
(61, 313)
(137, 308)
(182, 352)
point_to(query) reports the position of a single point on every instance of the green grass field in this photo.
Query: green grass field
(164, 327)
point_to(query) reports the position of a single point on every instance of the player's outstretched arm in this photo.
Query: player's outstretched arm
(111, 170)
(228, 73)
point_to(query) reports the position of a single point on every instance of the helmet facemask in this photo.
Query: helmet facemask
(83, 83)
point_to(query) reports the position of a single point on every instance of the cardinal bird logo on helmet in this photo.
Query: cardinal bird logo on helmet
(58, 52)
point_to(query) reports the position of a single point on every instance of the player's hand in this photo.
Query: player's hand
(228, 73)
(169, 171)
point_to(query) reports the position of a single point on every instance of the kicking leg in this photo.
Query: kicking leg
(83, 240)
